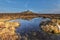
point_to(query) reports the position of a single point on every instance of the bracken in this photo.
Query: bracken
(7, 31)
(52, 27)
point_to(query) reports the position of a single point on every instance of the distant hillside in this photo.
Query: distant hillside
(27, 15)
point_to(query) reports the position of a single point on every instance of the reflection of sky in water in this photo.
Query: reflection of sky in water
(29, 25)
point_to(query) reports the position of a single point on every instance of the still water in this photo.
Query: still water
(29, 25)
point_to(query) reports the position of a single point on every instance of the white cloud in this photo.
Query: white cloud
(57, 9)
(54, 10)
(26, 4)
(10, 1)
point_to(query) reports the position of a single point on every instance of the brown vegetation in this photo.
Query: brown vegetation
(7, 31)
(27, 15)
(52, 27)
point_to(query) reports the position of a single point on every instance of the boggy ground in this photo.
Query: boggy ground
(7, 31)
(33, 35)
(44, 33)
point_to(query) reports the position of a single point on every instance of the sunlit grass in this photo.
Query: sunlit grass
(7, 30)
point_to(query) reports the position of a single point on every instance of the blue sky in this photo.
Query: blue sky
(42, 6)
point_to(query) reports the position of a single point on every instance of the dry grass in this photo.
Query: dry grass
(7, 31)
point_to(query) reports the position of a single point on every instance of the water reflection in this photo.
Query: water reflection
(29, 25)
